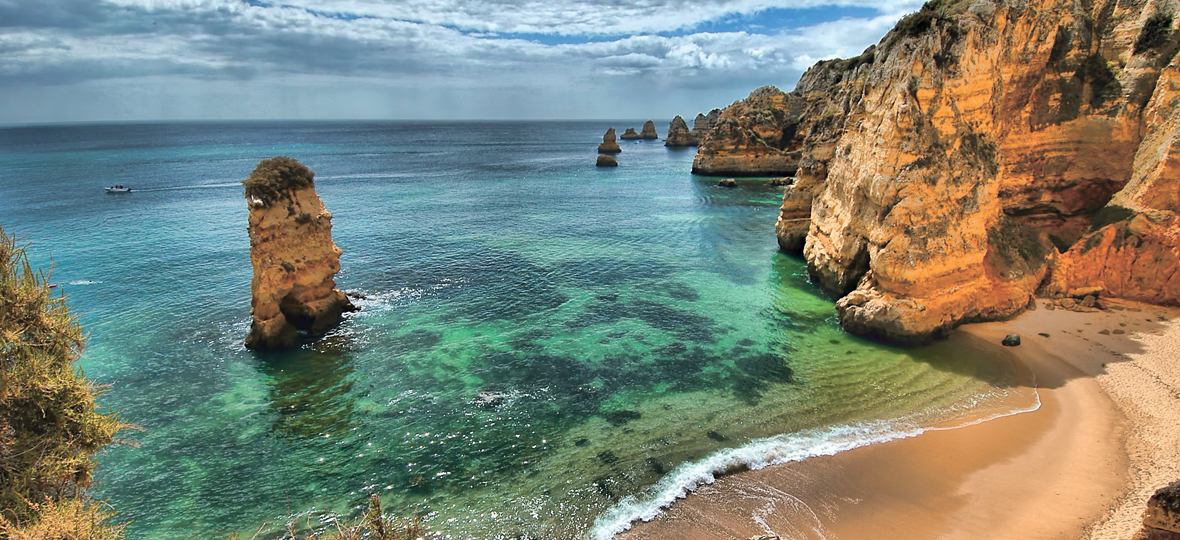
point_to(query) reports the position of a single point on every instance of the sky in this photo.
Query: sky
(150, 60)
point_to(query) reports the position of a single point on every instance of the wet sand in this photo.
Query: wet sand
(1081, 466)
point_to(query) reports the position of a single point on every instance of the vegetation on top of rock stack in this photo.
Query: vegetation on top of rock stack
(273, 177)
(1156, 32)
(50, 428)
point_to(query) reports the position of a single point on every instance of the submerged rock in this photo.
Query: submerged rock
(728, 182)
(605, 160)
(629, 135)
(293, 256)
(489, 400)
(649, 131)
(609, 145)
(1011, 340)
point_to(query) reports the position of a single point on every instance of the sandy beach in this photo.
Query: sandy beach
(1081, 466)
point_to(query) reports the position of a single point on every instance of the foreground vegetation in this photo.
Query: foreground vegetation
(50, 426)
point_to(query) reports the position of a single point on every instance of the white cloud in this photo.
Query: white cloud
(442, 47)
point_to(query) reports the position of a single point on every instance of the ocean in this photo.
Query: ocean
(639, 322)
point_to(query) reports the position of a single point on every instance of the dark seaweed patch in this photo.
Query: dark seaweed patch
(618, 418)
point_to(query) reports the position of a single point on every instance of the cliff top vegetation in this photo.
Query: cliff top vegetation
(273, 177)
(50, 426)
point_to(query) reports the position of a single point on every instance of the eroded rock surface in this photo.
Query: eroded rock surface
(649, 131)
(757, 136)
(294, 258)
(983, 152)
(678, 134)
(1161, 521)
(609, 144)
(630, 135)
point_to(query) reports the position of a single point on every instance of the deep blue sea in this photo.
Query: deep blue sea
(640, 320)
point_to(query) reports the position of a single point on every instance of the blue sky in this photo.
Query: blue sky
(131, 60)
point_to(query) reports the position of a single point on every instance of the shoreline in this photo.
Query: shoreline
(1080, 466)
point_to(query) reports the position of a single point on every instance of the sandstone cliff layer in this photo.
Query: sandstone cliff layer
(982, 153)
(294, 258)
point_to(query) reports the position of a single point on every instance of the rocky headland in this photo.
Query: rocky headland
(293, 255)
(609, 144)
(983, 153)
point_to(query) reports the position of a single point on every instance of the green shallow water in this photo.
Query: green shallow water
(637, 322)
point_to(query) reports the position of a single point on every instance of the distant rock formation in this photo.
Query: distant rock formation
(1161, 521)
(702, 124)
(678, 134)
(293, 255)
(757, 136)
(606, 160)
(609, 145)
(630, 135)
(649, 131)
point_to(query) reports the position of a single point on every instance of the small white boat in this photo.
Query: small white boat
(118, 189)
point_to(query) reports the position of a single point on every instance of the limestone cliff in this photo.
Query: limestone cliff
(679, 134)
(293, 255)
(981, 153)
(757, 136)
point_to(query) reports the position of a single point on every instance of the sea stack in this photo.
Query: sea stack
(609, 145)
(679, 135)
(606, 160)
(630, 135)
(293, 255)
(649, 131)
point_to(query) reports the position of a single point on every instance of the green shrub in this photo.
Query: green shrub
(1155, 32)
(273, 177)
(50, 428)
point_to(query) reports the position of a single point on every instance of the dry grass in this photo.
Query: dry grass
(374, 524)
(50, 426)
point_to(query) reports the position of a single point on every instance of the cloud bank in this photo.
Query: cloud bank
(86, 60)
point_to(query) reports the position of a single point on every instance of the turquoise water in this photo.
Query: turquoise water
(639, 321)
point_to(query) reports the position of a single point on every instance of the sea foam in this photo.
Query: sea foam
(761, 453)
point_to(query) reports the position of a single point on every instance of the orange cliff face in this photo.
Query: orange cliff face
(982, 153)
(752, 137)
(293, 255)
